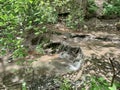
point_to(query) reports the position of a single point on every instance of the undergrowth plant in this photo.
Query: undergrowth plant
(17, 18)
(75, 19)
(91, 7)
(101, 84)
(112, 8)
(65, 85)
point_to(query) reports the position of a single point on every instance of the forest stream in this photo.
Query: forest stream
(72, 55)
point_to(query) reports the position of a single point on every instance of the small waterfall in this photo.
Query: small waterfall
(77, 63)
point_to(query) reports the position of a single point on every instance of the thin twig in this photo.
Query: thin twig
(114, 73)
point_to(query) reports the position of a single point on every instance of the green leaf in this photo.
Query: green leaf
(37, 33)
(31, 1)
(113, 87)
(2, 23)
(24, 86)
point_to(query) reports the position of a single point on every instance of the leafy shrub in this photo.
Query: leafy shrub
(76, 16)
(19, 17)
(75, 19)
(101, 84)
(112, 8)
(91, 7)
